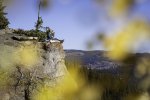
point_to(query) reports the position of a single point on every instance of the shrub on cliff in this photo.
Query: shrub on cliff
(3, 20)
(40, 34)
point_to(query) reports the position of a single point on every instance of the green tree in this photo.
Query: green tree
(3, 20)
(39, 22)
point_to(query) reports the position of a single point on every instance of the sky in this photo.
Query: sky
(75, 21)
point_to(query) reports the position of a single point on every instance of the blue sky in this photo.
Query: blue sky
(75, 21)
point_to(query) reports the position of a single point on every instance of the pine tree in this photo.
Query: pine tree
(3, 20)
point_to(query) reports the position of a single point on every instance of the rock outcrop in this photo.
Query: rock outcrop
(19, 80)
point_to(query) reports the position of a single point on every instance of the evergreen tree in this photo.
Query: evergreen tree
(39, 22)
(3, 20)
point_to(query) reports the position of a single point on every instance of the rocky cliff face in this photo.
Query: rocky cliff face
(27, 65)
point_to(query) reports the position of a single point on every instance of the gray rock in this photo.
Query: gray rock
(7, 30)
(24, 81)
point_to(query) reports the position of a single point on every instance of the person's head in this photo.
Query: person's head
(47, 28)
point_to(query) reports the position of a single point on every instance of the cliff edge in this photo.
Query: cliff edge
(26, 65)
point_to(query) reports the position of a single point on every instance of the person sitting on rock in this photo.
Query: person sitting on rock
(50, 33)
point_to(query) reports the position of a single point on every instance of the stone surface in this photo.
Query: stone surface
(22, 80)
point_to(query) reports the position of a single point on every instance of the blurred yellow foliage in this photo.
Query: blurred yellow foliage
(122, 43)
(7, 57)
(71, 87)
(4, 79)
(143, 71)
(143, 67)
(90, 93)
(27, 55)
(64, 90)
(120, 6)
(142, 96)
(11, 57)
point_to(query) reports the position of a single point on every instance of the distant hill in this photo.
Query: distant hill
(96, 60)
